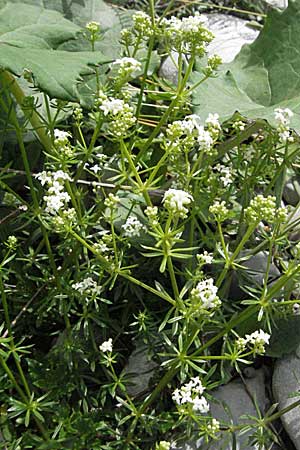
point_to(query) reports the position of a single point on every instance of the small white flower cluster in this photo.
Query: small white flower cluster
(264, 208)
(213, 124)
(105, 245)
(12, 242)
(191, 394)
(213, 427)
(175, 201)
(119, 113)
(204, 258)
(219, 210)
(88, 286)
(283, 116)
(186, 126)
(61, 142)
(205, 139)
(152, 214)
(133, 227)
(226, 174)
(106, 346)
(66, 220)
(127, 67)
(93, 27)
(238, 125)
(204, 295)
(111, 201)
(213, 63)
(142, 24)
(56, 197)
(101, 161)
(112, 106)
(188, 34)
(189, 131)
(256, 340)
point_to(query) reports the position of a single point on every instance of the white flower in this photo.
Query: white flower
(191, 393)
(55, 201)
(213, 120)
(60, 175)
(283, 115)
(106, 346)
(56, 198)
(132, 227)
(61, 135)
(43, 177)
(205, 293)
(227, 174)
(258, 340)
(96, 168)
(258, 337)
(175, 201)
(200, 404)
(112, 106)
(129, 64)
(205, 140)
(176, 396)
(87, 286)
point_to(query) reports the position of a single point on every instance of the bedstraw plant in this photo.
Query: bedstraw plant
(131, 227)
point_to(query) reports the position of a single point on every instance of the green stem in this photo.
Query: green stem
(167, 113)
(109, 269)
(11, 83)
(140, 183)
(230, 261)
(173, 277)
(143, 83)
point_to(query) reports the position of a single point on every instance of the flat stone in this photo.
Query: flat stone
(291, 191)
(286, 381)
(279, 4)
(168, 69)
(231, 33)
(233, 401)
(140, 368)
(253, 274)
(293, 221)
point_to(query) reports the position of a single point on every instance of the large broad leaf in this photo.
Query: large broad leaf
(263, 76)
(112, 20)
(31, 38)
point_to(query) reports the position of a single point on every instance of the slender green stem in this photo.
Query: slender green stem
(239, 247)
(111, 270)
(144, 77)
(167, 113)
(173, 277)
(89, 149)
(135, 172)
(11, 83)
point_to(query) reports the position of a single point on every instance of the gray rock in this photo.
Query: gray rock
(279, 4)
(291, 191)
(253, 274)
(233, 401)
(293, 224)
(231, 33)
(257, 267)
(168, 69)
(140, 369)
(286, 382)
